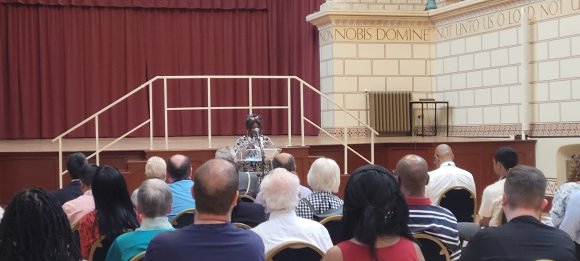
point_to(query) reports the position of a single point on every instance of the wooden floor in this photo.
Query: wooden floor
(201, 142)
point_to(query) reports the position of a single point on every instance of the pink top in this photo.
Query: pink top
(403, 250)
(79, 207)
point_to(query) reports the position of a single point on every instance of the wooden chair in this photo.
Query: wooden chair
(334, 226)
(184, 218)
(241, 225)
(138, 257)
(295, 251)
(247, 198)
(461, 202)
(432, 248)
(100, 248)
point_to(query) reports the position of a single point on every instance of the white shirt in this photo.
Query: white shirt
(285, 226)
(446, 177)
(491, 203)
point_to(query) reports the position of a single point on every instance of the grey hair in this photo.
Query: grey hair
(280, 190)
(154, 198)
(156, 168)
(324, 175)
(226, 153)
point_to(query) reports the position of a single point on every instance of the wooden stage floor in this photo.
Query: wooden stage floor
(201, 142)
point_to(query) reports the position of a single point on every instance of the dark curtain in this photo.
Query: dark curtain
(61, 61)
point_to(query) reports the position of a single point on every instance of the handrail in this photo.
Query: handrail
(209, 109)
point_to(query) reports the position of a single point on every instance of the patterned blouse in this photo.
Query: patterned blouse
(560, 202)
(88, 233)
(254, 161)
(321, 201)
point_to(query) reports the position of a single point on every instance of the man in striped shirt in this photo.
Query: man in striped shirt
(423, 217)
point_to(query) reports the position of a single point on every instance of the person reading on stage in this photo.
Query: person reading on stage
(250, 146)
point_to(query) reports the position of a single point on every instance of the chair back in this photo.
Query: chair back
(295, 250)
(241, 225)
(432, 248)
(247, 198)
(461, 202)
(100, 248)
(184, 218)
(334, 226)
(138, 257)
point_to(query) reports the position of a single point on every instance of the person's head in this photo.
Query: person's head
(324, 175)
(156, 168)
(75, 164)
(154, 198)
(505, 159)
(574, 168)
(226, 153)
(115, 211)
(524, 189)
(374, 206)
(285, 161)
(280, 190)
(253, 121)
(178, 168)
(87, 176)
(35, 227)
(413, 174)
(442, 154)
(216, 187)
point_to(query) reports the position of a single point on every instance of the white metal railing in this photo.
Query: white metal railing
(209, 109)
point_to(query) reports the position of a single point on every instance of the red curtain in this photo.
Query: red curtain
(61, 61)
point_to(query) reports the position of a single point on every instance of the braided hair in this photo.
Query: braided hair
(374, 206)
(35, 227)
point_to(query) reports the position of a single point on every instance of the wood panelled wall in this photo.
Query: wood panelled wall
(22, 170)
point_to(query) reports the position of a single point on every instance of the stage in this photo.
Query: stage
(27, 163)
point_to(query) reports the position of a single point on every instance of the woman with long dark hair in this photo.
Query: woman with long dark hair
(114, 213)
(375, 219)
(34, 227)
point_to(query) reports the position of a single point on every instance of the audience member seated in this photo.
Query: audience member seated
(324, 179)
(114, 213)
(179, 179)
(424, 217)
(249, 213)
(154, 201)
(375, 219)
(74, 164)
(253, 140)
(285, 161)
(280, 189)
(34, 227)
(156, 168)
(248, 184)
(571, 222)
(524, 237)
(211, 236)
(560, 200)
(448, 175)
(490, 209)
(77, 208)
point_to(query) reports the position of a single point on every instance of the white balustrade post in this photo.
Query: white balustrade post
(165, 112)
(251, 100)
(209, 112)
(289, 111)
(97, 152)
(524, 74)
(345, 150)
(60, 162)
(302, 111)
(151, 115)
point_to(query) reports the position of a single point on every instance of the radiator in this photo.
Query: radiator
(389, 111)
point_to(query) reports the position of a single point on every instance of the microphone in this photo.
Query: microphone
(257, 130)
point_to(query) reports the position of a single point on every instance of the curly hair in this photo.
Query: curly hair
(574, 168)
(35, 227)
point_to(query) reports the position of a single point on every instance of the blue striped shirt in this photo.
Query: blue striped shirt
(435, 221)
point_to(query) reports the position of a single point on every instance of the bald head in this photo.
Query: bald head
(179, 167)
(215, 187)
(442, 154)
(412, 172)
(285, 161)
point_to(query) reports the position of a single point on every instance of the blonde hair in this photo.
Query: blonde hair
(574, 168)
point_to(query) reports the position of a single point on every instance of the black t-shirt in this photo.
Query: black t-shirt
(523, 238)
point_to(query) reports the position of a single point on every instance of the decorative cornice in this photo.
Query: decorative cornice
(324, 19)
(474, 8)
